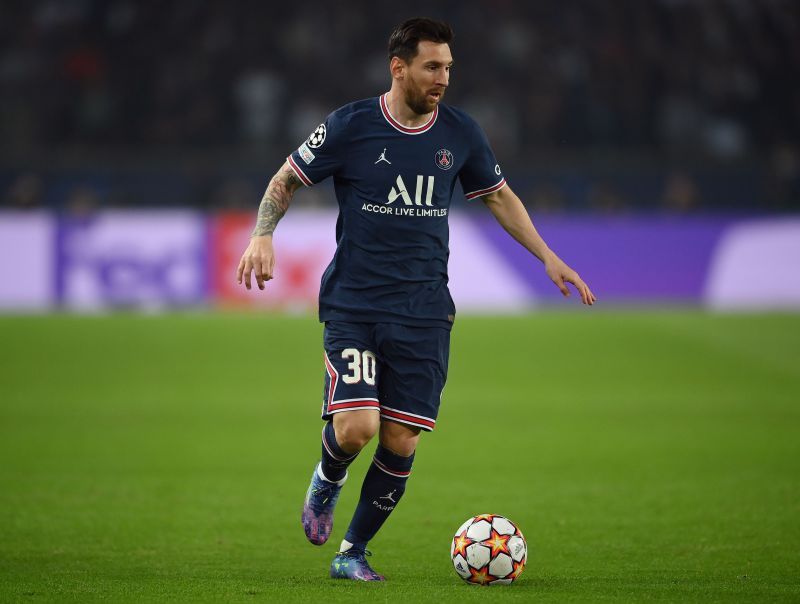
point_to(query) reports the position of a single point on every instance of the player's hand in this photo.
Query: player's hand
(561, 274)
(259, 259)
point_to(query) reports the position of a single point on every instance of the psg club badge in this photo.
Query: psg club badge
(444, 159)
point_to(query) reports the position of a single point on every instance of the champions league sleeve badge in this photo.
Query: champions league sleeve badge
(317, 137)
(444, 159)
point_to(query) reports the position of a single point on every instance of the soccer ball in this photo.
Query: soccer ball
(489, 550)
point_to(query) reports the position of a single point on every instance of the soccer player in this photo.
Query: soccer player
(384, 300)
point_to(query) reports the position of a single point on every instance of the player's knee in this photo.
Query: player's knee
(404, 448)
(354, 437)
(399, 439)
(355, 429)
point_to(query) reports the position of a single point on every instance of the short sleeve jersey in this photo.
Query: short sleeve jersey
(394, 186)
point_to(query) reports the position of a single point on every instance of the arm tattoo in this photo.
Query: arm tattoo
(275, 201)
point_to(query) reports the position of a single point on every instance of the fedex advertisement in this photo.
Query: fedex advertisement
(153, 260)
(147, 260)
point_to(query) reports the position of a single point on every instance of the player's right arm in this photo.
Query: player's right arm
(259, 257)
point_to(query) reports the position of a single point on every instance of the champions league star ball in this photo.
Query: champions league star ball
(489, 550)
(317, 137)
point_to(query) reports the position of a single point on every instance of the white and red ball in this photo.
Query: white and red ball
(489, 550)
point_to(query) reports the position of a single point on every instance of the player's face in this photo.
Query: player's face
(427, 77)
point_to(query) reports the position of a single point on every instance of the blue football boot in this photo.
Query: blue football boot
(321, 499)
(353, 565)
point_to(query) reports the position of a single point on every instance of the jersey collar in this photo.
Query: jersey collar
(405, 129)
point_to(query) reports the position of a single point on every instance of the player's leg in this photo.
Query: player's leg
(343, 438)
(350, 408)
(381, 491)
(413, 373)
(384, 483)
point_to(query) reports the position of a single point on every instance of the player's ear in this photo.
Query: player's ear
(397, 67)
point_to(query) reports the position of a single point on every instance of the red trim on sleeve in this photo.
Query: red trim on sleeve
(482, 192)
(300, 174)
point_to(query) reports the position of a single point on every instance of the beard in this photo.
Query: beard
(417, 100)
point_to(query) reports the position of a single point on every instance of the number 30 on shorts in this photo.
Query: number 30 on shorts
(361, 366)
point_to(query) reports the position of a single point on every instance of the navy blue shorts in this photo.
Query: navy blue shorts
(396, 369)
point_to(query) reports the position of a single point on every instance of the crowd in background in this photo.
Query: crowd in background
(688, 83)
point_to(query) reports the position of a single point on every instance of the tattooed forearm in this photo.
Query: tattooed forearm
(270, 211)
(276, 201)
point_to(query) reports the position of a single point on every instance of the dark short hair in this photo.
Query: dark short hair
(405, 39)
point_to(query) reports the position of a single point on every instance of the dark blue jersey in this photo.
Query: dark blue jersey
(394, 185)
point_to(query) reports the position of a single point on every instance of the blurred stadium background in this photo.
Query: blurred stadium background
(657, 146)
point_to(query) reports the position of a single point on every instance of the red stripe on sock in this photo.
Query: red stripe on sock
(385, 468)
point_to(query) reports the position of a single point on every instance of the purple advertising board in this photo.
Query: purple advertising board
(624, 259)
(167, 259)
(756, 266)
(120, 259)
(26, 261)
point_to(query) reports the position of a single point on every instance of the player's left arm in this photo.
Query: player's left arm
(509, 211)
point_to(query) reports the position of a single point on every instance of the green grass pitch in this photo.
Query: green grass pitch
(645, 455)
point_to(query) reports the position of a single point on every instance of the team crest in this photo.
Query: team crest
(444, 159)
(317, 137)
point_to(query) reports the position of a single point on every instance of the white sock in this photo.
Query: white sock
(325, 478)
(346, 545)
